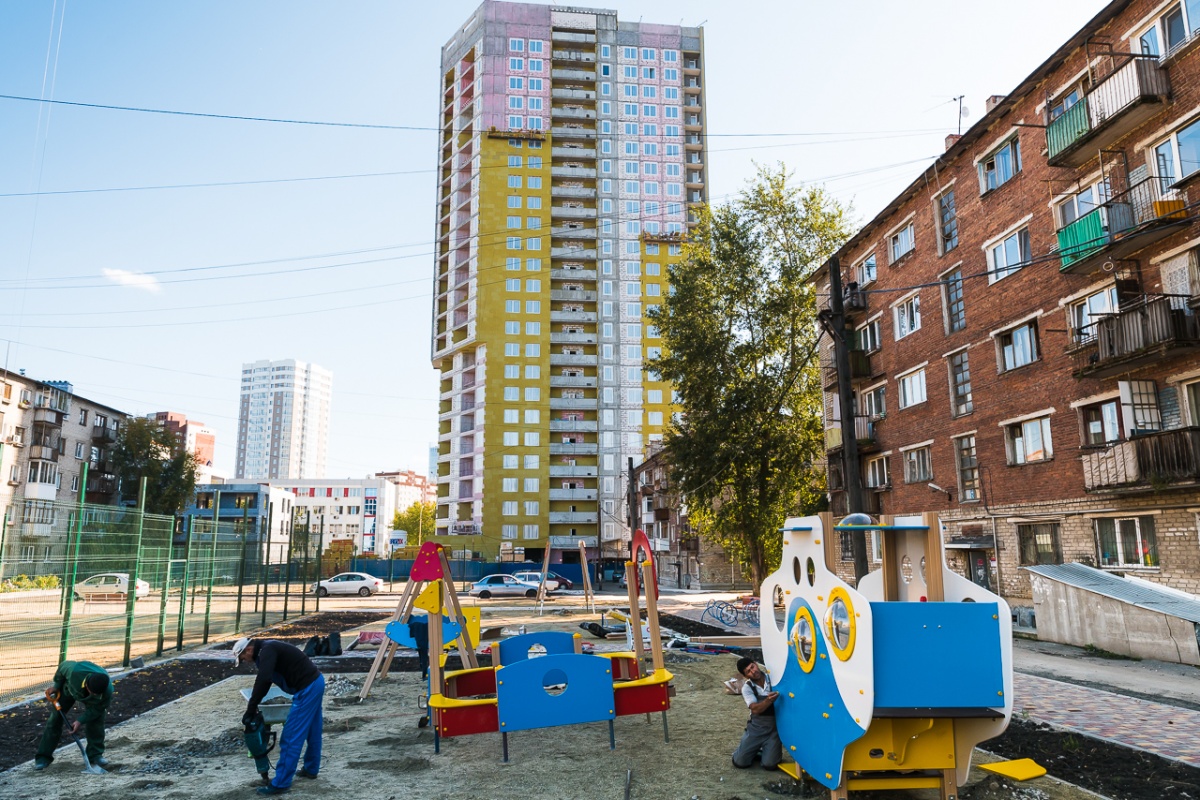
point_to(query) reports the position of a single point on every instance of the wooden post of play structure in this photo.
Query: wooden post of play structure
(635, 613)
(435, 650)
(466, 648)
(829, 540)
(934, 583)
(891, 565)
(541, 595)
(589, 597)
(656, 651)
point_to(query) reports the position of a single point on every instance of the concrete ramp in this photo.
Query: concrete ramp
(1080, 605)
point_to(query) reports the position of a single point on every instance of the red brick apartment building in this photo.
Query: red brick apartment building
(1026, 318)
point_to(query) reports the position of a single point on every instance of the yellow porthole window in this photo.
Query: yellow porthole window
(803, 638)
(839, 623)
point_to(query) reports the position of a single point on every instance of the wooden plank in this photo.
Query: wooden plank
(388, 645)
(435, 651)
(737, 641)
(541, 594)
(634, 622)
(828, 537)
(656, 651)
(466, 648)
(935, 585)
(589, 597)
(891, 564)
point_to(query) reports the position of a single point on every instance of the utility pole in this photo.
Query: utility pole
(632, 507)
(851, 466)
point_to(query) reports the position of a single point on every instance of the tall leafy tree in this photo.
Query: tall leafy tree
(740, 335)
(145, 448)
(419, 519)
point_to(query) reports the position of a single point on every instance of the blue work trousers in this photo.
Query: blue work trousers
(303, 726)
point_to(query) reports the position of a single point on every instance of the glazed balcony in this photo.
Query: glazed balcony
(1128, 222)
(1144, 463)
(1116, 105)
(1157, 327)
(864, 432)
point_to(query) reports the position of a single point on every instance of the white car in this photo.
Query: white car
(536, 578)
(359, 583)
(502, 586)
(109, 586)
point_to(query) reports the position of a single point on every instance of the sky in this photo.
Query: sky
(144, 256)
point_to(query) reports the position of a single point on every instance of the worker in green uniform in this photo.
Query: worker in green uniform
(89, 684)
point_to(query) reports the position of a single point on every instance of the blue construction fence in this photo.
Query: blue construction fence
(399, 568)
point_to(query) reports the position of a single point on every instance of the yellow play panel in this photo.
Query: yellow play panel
(1022, 769)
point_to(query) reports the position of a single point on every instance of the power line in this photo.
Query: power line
(264, 181)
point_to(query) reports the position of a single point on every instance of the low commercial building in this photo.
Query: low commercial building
(357, 509)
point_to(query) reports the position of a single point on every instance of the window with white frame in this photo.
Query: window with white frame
(864, 271)
(1029, 442)
(1018, 346)
(1083, 202)
(917, 465)
(1101, 423)
(1177, 156)
(872, 402)
(912, 388)
(1000, 166)
(1085, 313)
(877, 473)
(907, 316)
(1169, 30)
(1061, 104)
(901, 243)
(1008, 255)
(1140, 410)
(1127, 542)
(866, 338)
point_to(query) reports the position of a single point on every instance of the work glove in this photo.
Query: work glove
(248, 719)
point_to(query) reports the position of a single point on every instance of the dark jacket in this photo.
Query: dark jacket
(281, 664)
(68, 682)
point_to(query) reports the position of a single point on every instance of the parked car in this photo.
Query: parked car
(563, 583)
(536, 577)
(109, 586)
(359, 583)
(502, 586)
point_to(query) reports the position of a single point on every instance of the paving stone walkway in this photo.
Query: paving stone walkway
(1165, 730)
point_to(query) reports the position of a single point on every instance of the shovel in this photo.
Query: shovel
(88, 767)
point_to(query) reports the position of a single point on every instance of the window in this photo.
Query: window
(1178, 156)
(1039, 543)
(864, 271)
(968, 468)
(1065, 101)
(514, 222)
(513, 242)
(872, 402)
(508, 531)
(512, 264)
(1127, 542)
(947, 222)
(1083, 202)
(866, 338)
(960, 384)
(1018, 346)
(516, 45)
(900, 243)
(508, 485)
(952, 299)
(912, 388)
(1084, 314)
(917, 466)
(534, 183)
(1139, 407)
(908, 316)
(1008, 255)
(1029, 441)
(535, 46)
(516, 63)
(1168, 32)
(509, 509)
(878, 476)
(1000, 167)
(529, 532)
(1101, 424)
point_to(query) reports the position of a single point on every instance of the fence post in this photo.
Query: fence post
(320, 547)
(4, 529)
(307, 546)
(131, 585)
(166, 590)
(187, 577)
(241, 574)
(266, 570)
(72, 569)
(212, 560)
(287, 586)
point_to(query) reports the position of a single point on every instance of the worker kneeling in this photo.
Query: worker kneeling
(761, 734)
(88, 684)
(288, 668)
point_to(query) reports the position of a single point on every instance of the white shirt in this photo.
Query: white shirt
(750, 686)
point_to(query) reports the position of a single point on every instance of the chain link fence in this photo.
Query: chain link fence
(66, 572)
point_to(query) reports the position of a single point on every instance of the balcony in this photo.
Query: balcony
(103, 433)
(573, 152)
(573, 517)
(561, 360)
(572, 112)
(1156, 327)
(1144, 463)
(572, 381)
(564, 232)
(573, 252)
(572, 172)
(572, 404)
(573, 94)
(572, 338)
(43, 452)
(572, 316)
(576, 132)
(573, 425)
(860, 368)
(1120, 227)
(570, 212)
(567, 36)
(572, 494)
(872, 500)
(1116, 105)
(49, 416)
(573, 295)
(573, 449)
(573, 75)
(864, 431)
(572, 471)
(588, 193)
(573, 274)
(574, 55)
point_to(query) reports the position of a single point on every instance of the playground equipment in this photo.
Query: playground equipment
(892, 684)
(537, 680)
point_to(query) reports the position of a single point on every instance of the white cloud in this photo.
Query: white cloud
(137, 280)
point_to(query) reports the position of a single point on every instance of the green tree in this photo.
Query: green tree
(146, 449)
(418, 520)
(740, 339)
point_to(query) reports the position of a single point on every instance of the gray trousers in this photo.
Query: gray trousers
(760, 734)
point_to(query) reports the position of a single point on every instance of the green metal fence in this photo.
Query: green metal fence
(65, 570)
